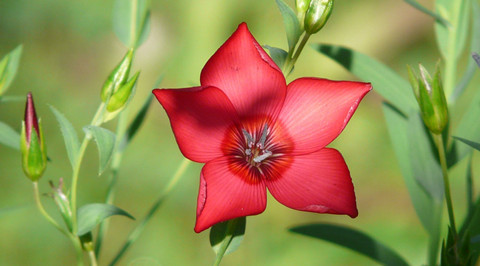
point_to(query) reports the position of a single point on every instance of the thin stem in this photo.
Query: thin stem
(141, 226)
(92, 257)
(231, 225)
(78, 163)
(446, 182)
(291, 61)
(74, 239)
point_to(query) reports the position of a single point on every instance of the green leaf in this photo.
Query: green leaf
(292, 26)
(9, 137)
(91, 215)
(131, 21)
(7, 99)
(69, 135)
(135, 125)
(352, 239)
(470, 143)
(471, 227)
(423, 159)
(226, 237)
(8, 68)
(278, 55)
(425, 10)
(105, 140)
(385, 81)
(428, 209)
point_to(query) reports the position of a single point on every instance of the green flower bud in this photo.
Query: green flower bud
(302, 7)
(34, 155)
(317, 15)
(117, 77)
(430, 98)
(121, 96)
(62, 202)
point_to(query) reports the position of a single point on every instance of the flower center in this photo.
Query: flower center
(256, 151)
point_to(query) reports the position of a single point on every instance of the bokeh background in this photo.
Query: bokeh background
(70, 48)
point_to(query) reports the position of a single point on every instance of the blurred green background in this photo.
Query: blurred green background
(70, 48)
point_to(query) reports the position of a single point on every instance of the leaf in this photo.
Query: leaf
(9, 137)
(105, 140)
(136, 123)
(91, 215)
(470, 143)
(278, 55)
(8, 68)
(352, 239)
(227, 236)
(423, 9)
(385, 81)
(471, 227)
(7, 99)
(292, 26)
(423, 159)
(69, 135)
(131, 21)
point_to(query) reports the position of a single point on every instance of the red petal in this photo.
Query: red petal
(317, 110)
(248, 76)
(200, 118)
(316, 182)
(224, 195)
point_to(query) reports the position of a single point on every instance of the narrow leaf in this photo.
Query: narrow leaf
(135, 125)
(278, 55)
(131, 21)
(69, 135)
(91, 215)
(105, 140)
(385, 81)
(425, 10)
(352, 239)
(292, 26)
(9, 137)
(8, 68)
(226, 237)
(470, 143)
(471, 227)
(7, 99)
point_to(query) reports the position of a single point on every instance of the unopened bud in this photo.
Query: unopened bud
(430, 97)
(117, 77)
(302, 7)
(120, 97)
(34, 155)
(317, 15)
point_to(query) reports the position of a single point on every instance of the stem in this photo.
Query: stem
(231, 225)
(290, 62)
(139, 229)
(448, 197)
(93, 258)
(74, 239)
(78, 163)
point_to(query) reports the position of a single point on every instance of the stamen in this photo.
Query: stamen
(248, 137)
(262, 157)
(261, 142)
(248, 152)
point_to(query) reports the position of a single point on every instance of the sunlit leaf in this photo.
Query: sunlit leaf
(8, 68)
(131, 21)
(385, 81)
(425, 10)
(105, 140)
(69, 135)
(227, 236)
(278, 55)
(9, 137)
(292, 26)
(91, 215)
(352, 239)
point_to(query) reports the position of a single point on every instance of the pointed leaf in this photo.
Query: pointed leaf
(425, 10)
(91, 215)
(292, 26)
(471, 227)
(105, 140)
(131, 21)
(69, 135)
(227, 236)
(352, 239)
(470, 143)
(8, 68)
(278, 55)
(9, 137)
(385, 81)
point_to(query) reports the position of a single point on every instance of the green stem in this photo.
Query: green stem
(78, 163)
(92, 257)
(291, 60)
(141, 226)
(446, 182)
(74, 239)
(231, 225)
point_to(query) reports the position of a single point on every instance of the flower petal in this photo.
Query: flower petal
(200, 118)
(317, 110)
(247, 75)
(316, 182)
(225, 195)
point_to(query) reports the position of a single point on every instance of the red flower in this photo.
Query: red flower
(255, 132)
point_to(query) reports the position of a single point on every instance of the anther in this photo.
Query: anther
(261, 143)
(248, 137)
(262, 157)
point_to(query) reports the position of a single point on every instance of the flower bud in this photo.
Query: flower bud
(62, 202)
(34, 155)
(430, 98)
(302, 7)
(121, 96)
(317, 15)
(117, 77)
